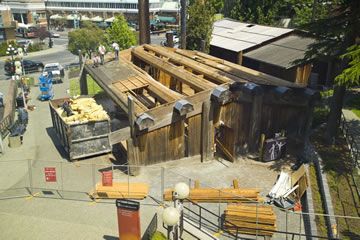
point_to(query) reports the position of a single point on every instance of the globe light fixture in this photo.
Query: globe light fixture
(181, 191)
(171, 216)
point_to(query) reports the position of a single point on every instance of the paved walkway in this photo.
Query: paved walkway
(353, 123)
(56, 48)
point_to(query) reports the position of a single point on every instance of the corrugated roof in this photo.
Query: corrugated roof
(282, 52)
(237, 36)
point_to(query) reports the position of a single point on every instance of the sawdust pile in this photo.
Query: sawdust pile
(83, 110)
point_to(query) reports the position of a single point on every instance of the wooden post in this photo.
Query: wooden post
(144, 21)
(132, 149)
(207, 132)
(240, 58)
(83, 83)
(255, 123)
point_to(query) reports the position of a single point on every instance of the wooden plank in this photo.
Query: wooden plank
(255, 124)
(119, 135)
(218, 77)
(83, 80)
(243, 72)
(182, 75)
(133, 156)
(194, 135)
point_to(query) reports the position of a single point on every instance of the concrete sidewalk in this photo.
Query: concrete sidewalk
(54, 49)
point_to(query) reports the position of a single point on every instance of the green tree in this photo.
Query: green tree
(350, 76)
(120, 33)
(199, 24)
(86, 39)
(335, 33)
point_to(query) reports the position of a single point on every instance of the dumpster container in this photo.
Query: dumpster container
(80, 140)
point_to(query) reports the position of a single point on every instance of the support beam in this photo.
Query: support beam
(255, 123)
(83, 83)
(144, 121)
(221, 95)
(182, 75)
(207, 132)
(132, 149)
(183, 107)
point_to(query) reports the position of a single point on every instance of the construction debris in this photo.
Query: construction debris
(121, 191)
(250, 219)
(289, 188)
(224, 195)
(82, 110)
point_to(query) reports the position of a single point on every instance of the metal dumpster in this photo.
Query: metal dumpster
(82, 139)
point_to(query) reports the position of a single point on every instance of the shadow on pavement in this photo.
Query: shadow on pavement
(55, 139)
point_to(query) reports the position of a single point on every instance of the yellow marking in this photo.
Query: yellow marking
(32, 196)
(94, 202)
(218, 234)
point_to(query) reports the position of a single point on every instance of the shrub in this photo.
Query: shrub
(35, 47)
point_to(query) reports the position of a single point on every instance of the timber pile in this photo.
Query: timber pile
(83, 110)
(250, 219)
(121, 190)
(224, 195)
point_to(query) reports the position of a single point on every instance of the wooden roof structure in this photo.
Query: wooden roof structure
(159, 86)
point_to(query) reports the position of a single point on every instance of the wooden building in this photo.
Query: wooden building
(272, 50)
(184, 103)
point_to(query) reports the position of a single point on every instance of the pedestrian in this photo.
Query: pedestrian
(102, 51)
(116, 50)
(95, 61)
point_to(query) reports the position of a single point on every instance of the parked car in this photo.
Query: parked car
(28, 65)
(54, 35)
(56, 70)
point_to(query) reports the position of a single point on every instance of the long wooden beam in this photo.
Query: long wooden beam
(195, 82)
(164, 115)
(238, 70)
(213, 74)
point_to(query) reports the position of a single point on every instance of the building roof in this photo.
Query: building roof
(282, 52)
(170, 6)
(238, 36)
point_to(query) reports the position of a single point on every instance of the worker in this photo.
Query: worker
(116, 50)
(96, 60)
(102, 51)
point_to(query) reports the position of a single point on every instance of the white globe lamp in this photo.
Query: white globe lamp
(181, 191)
(17, 63)
(171, 216)
(18, 71)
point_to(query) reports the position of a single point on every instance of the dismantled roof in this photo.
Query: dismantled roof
(283, 52)
(238, 36)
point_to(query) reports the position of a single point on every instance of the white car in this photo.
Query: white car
(56, 70)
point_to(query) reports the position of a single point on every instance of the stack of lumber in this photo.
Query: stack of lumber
(250, 219)
(84, 110)
(224, 195)
(121, 191)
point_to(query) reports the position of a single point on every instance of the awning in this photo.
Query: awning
(110, 19)
(97, 19)
(167, 19)
(72, 17)
(56, 16)
(85, 18)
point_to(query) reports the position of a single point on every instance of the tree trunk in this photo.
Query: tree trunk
(333, 122)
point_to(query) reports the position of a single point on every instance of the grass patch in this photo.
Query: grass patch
(93, 87)
(354, 104)
(318, 205)
(158, 236)
(339, 168)
(321, 114)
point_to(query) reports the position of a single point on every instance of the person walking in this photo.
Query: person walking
(116, 50)
(102, 51)
(96, 61)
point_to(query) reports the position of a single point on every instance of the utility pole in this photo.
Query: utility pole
(144, 21)
(183, 23)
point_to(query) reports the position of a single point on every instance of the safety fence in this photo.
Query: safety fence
(76, 181)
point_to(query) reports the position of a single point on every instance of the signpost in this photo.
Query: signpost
(50, 174)
(128, 219)
(107, 178)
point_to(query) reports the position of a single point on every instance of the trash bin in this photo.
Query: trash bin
(20, 101)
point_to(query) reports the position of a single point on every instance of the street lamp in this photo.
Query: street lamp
(11, 51)
(171, 217)
(181, 192)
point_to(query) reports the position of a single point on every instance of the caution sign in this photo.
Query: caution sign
(50, 174)
(107, 178)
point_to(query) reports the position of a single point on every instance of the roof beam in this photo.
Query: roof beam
(198, 84)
